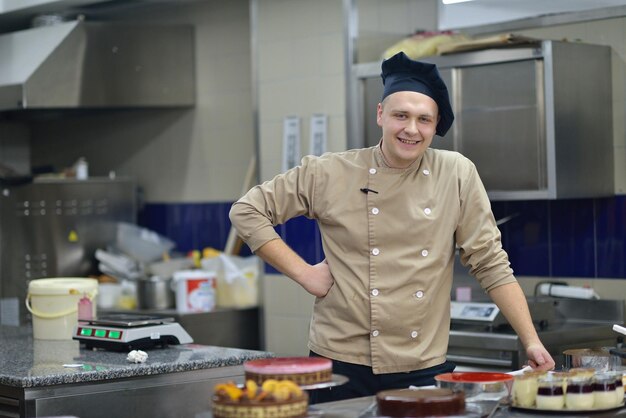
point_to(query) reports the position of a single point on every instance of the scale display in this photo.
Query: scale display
(474, 311)
(130, 332)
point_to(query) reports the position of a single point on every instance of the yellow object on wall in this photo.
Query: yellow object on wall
(422, 45)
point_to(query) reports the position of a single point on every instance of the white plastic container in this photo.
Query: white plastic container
(195, 290)
(142, 244)
(54, 305)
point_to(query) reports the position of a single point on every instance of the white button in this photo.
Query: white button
(424, 253)
(375, 333)
(374, 292)
(427, 211)
(375, 251)
(414, 334)
(372, 171)
(375, 211)
(419, 294)
(426, 172)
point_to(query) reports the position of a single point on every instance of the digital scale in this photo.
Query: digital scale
(120, 332)
(474, 311)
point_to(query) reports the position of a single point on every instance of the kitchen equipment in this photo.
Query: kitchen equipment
(119, 332)
(52, 228)
(476, 311)
(598, 358)
(562, 324)
(126, 65)
(565, 291)
(195, 290)
(54, 303)
(595, 358)
(620, 329)
(478, 386)
(517, 102)
(142, 244)
(617, 361)
(155, 292)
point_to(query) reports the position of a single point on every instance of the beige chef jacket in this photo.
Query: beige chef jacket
(390, 250)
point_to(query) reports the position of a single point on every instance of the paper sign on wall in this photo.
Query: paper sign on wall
(291, 142)
(319, 134)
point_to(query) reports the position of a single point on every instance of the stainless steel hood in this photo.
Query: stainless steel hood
(83, 64)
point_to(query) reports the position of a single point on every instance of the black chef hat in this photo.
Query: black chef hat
(400, 73)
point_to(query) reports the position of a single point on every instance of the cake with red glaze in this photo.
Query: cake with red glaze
(420, 402)
(302, 370)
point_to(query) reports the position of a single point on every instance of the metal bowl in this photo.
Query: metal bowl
(596, 358)
(478, 386)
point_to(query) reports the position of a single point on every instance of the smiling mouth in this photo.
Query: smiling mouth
(407, 141)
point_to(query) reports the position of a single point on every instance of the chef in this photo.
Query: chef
(390, 217)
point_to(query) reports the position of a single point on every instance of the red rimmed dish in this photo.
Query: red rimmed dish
(477, 385)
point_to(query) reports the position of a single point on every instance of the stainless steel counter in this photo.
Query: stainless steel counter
(573, 324)
(54, 378)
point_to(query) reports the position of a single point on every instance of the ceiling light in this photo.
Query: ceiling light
(454, 1)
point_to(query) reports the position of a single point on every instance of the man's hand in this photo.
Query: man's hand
(315, 279)
(318, 280)
(539, 358)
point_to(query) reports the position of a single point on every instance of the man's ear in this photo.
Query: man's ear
(379, 114)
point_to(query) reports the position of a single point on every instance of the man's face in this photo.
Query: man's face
(409, 121)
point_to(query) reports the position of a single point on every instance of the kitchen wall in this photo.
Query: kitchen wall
(190, 163)
(301, 72)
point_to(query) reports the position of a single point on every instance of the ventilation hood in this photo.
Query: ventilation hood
(83, 64)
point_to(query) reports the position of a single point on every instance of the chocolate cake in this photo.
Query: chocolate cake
(420, 402)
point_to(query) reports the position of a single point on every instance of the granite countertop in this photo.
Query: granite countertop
(27, 362)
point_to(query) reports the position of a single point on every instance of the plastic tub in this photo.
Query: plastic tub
(195, 290)
(142, 244)
(54, 304)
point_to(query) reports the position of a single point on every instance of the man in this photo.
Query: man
(390, 217)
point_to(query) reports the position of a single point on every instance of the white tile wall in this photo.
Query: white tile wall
(287, 309)
(383, 23)
(301, 72)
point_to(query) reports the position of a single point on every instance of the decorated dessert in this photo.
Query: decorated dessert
(579, 393)
(302, 370)
(576, 390)
(605, 391)
(550, 393)
(272, 399)
(525, 389)
(420, 402)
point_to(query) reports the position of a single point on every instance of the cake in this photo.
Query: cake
(420, 402)
(525, 390)
(273, 399)
(302, 370)
(579, 393)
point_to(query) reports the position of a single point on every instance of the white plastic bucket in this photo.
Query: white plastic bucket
(195, 290)
(54, 305)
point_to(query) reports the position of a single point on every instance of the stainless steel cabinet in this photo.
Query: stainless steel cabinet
(536, 120)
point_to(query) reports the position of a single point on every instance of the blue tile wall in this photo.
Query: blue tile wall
(192, 226)
(547, 238)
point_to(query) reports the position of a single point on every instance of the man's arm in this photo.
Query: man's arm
(315, 279)
(512, 302)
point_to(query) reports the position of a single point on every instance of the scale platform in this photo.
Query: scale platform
(474, 311)
(124, 332)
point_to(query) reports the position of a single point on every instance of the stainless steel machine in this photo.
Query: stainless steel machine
(482, 339)
(51, 228)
